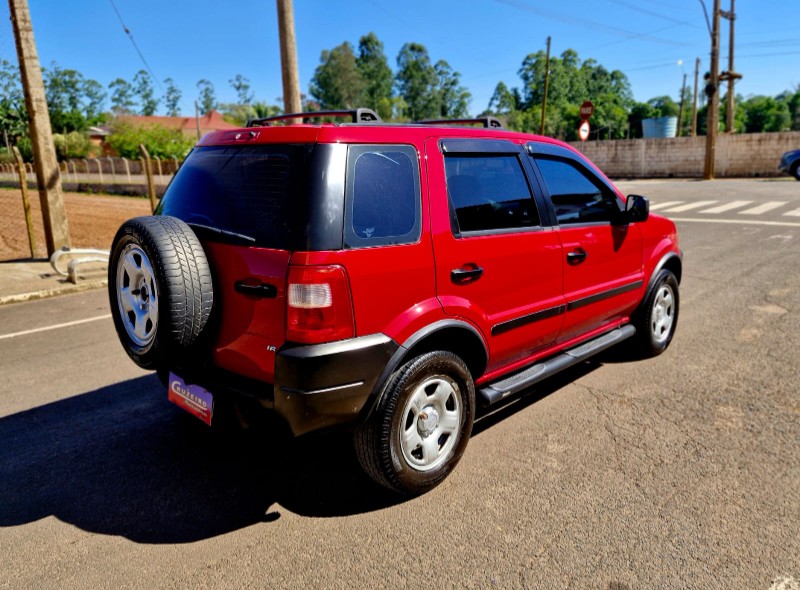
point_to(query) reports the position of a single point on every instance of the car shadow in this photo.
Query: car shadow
(123, 461)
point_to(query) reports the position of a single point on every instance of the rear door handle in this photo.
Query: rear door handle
(256, 290)
(577, 256)
(465, 275)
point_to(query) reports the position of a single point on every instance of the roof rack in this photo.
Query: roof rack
(487, 122)
(357, 116)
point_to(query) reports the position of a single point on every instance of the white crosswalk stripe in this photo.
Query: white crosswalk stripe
(763, 208)
(657, 206)
(795, 213)
(689, 206)
(727, 207)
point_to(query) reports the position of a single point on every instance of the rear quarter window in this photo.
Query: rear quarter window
(382, 196)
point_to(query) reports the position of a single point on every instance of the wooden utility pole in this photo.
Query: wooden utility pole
(26, 204)
(546, 85)
(680, 112)
(730, 76)
(694, 99)
(291, 77)
(56, 228)
(712, 91)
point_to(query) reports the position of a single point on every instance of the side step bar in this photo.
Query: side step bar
(500, 390)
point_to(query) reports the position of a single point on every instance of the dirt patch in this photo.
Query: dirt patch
(93, 221)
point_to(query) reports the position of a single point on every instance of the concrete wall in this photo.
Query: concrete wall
(738, 156)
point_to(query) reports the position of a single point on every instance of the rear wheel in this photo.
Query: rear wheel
(159, 288)
(421, 426)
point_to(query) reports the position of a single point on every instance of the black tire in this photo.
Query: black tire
(158, 257)
(442, 382)
(657, 317)
(796, 170)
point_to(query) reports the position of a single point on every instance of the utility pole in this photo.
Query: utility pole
(546, 85)
(291, 77)
(680, 112)
(56, 228)
(712, 91)
(730, 76)
(694, 100)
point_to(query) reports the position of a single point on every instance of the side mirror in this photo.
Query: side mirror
(637, 208)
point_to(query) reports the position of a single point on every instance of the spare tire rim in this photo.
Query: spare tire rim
(663, 314)
(431, 423)
(137, 295)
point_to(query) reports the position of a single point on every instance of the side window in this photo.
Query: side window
(489, 192)
(576, 198)
(382, 196)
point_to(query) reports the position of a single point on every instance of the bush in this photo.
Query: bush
(160, 142)
(72, 145)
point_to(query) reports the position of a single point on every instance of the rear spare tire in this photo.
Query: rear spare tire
(159, 288)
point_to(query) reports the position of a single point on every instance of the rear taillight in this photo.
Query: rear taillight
(318, 305)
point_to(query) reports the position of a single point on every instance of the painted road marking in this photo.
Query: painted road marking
(727, 207)
(768, 206)
(690, 206)
(737, 221)
(55, 327)
(795, 213)
(656, 206)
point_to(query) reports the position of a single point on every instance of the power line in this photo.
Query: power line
(136, 47)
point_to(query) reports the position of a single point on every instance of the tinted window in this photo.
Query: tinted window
(383, 196)
(576, 198)
(489, 192)
(255, 191)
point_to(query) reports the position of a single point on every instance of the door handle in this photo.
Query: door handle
(256, 290)
(577, 256)
(465, 275)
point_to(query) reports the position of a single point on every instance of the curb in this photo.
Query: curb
(44, 294)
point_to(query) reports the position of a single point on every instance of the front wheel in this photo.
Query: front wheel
(657, 318)
(796, 170)
(421, 427)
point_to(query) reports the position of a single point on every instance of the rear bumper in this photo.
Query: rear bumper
(325, 385)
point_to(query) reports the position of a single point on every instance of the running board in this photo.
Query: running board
(500, 390)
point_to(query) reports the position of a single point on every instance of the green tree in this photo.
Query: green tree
(172, 98)
(94, 98)
(207, 98)
(242, 87)
(377, 75)
(122, 101)
(416, 82)
(337, 81)
(13, 114)
(143, 87)
(765, 114)
(63, 89)
(160, 142)
(452, 98)
(71, 145)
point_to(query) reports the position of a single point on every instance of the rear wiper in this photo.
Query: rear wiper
(222, 232)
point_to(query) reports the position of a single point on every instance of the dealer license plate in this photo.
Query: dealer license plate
(194, 399)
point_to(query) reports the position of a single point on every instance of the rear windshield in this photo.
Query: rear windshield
(253, 194)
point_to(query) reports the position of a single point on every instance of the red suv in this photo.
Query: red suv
(392, 279)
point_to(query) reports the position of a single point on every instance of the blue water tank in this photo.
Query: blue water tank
(659, 127)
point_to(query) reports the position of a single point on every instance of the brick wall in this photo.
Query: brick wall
(738, 156)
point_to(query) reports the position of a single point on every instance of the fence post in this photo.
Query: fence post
(127, 169)
(23, 184)
(160, 173)
(113, 172)
(148, 170)
(99, 169)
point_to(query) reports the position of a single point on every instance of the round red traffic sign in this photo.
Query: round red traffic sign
(583, 131)
(587, 109)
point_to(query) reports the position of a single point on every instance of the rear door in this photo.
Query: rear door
(497, 265)
(246, 205)
(602, 259)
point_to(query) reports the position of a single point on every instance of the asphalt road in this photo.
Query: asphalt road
(676, 472)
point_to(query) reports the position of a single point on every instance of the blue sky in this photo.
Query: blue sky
(653, 41)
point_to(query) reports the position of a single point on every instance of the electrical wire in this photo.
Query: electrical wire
(136, 47)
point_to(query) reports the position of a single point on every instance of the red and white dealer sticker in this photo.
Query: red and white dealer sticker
(192, 398)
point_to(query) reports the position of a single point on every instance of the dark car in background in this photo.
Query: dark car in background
(790, 163)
